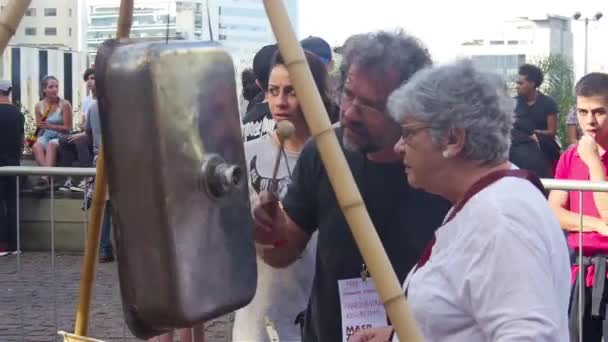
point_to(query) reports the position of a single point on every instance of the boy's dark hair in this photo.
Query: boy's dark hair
(593, 84)
(6, 93)
(87, 73)
(532, 73)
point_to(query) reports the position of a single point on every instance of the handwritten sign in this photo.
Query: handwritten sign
(360, 306)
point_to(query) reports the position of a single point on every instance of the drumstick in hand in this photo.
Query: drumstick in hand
(285, 130)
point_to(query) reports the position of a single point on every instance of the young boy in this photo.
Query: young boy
(588, 161)
(93, 131)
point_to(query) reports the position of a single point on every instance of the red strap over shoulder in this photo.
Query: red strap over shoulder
(478, 186)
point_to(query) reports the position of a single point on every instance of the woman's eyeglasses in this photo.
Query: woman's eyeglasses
(409, 131)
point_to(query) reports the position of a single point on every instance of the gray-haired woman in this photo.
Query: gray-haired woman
(497, 269)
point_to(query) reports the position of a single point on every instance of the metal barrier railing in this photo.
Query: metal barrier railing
(21, 171)
(580, 186)
(21, 285)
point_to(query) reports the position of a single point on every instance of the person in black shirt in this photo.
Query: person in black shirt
(249, 88)
(258, 120)
(536, 113)
(11, 145)
(374, 65)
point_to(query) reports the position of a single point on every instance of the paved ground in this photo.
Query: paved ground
(48, 301)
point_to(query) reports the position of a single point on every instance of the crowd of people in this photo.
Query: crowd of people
(55, 142)
(448, 164)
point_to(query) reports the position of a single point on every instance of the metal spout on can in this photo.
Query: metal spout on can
(219, 178)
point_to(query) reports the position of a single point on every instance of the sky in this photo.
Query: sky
(443, 25)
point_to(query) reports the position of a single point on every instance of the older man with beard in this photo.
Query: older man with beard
(374, 65)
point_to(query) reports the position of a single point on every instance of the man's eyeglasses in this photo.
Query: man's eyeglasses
(348, 100)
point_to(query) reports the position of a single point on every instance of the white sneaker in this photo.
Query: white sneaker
(66, 186)
(80, 188)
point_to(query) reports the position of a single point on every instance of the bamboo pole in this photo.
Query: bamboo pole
(99, 198)
(10, 17)
(125, 19)
(340, 176)
(91, 251)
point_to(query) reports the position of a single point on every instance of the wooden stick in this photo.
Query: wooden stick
(285, 130)
(340, 176)
(99, 200)
(91, 251)
(67, 337)
(10, 17)
(125, 19)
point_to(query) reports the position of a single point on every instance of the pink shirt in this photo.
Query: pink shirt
(571, 166)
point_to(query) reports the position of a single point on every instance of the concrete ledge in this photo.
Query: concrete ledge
(70, 221)
(69, 224)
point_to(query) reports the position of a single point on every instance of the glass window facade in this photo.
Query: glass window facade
(504, 65)
(50, 31)
(50, 12)
(242, 12)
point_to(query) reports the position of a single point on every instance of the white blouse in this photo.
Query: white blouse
(499, 271)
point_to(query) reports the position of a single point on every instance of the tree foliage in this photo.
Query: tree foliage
(559, 84)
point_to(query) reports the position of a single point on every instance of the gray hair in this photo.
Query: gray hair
(459, 96)
(383, 52)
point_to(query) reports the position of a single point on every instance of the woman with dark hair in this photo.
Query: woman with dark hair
(53, 118)
(281, 293)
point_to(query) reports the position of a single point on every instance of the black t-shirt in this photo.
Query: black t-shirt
(11, 135)
(535, 115)
(404, 218)
(532, 117)
(257, 122)
(528, 156)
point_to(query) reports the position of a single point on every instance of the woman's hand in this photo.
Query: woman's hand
(76, 137)
(43, 125)
(372, 335)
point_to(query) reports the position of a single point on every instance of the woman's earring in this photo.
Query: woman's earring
(446, 154)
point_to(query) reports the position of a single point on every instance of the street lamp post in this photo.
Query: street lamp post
(596, 17)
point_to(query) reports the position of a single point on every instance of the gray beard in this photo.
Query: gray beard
(352, 147)
(349, 145)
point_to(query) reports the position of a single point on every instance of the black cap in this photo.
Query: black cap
(261, 63)
(319, 47)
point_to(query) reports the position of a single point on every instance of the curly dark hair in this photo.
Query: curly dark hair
(382, 51)
(250, 88)
(532, 74)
